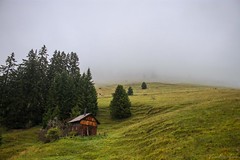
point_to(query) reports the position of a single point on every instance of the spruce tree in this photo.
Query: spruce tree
(61, 97)
(130, 91)
(12, 110)
(7, 74)
(44, 84)
(120, 104)
(144, 85)
(89, 94)
(58, 64)
(31, 79)
(73, 64)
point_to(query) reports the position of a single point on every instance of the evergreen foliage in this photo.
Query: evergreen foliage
(144, 85)
(130, 91)
(41, 89)
(90, 94)
(120, 104)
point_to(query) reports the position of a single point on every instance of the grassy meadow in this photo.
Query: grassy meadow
(169, 121)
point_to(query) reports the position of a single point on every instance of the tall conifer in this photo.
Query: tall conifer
(120, 104)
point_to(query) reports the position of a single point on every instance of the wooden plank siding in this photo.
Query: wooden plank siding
(89, 121)
(84, 125)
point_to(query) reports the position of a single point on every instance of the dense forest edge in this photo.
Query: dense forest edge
(40, 89)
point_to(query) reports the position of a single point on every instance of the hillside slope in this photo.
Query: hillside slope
(168, 122)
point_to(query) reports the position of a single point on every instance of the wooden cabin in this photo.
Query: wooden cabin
(84, 125)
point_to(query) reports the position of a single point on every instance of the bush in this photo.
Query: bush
(73, 133)
(42, 136)
(53, 134)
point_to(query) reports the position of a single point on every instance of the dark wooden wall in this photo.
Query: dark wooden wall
(85, 127)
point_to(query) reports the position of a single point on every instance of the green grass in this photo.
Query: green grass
(17, 141)
(169, 121)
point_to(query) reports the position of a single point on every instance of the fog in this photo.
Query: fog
(123, 41)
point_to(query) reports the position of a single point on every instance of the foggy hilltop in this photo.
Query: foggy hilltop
(130, 41)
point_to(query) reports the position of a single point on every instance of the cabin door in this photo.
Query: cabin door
(88, 131)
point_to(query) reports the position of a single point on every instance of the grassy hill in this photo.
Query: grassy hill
(169, 122)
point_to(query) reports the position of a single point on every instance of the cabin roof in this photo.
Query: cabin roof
(81, 117)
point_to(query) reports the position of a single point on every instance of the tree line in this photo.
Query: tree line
(41, 88)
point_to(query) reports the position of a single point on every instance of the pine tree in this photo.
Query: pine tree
(89, 94)
(31, 78)
(130, 91)
(58, 64)
(144, 85)
(18, 112)
(44, 84)
(10, 104)
(120, 104)
(7, 74)
(79, 95)
(61, 97)
(73, 64)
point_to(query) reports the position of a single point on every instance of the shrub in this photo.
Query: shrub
(73, 133)
(42, 136)
(53, 134)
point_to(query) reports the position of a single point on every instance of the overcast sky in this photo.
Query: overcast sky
(179, 41)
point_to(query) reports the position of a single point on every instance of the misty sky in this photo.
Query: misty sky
(179, 41)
